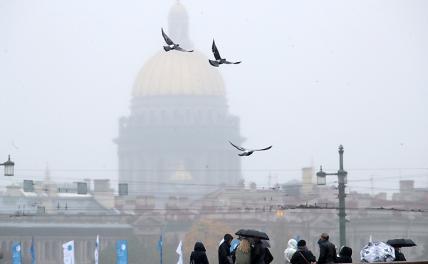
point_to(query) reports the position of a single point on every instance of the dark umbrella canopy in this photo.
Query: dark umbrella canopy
(252, 233)
(401, 242)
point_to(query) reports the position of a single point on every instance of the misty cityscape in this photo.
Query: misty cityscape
(131, 131)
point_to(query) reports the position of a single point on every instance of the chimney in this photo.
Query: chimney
(101, 186)
(407, 186)
(103, 194)
(307, 183)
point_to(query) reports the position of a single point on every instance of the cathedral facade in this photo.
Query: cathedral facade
(175, 140)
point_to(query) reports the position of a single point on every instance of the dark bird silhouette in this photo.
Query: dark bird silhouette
(171, 44)
(218, 59)
(248, 152)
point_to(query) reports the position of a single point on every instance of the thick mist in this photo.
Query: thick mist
(314, 75)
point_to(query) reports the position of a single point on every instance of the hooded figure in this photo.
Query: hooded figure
(345, 255)
(290, 250)
(302, 255)
(198, 255)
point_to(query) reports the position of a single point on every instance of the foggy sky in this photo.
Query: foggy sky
(315, 74)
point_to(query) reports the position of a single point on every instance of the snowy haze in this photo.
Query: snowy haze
(315, 74)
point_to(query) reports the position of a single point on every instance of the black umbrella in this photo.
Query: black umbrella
(401, 242)
(252, 233)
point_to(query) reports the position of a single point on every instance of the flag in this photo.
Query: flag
(121, 252)
(160, 248)
(179, 251)
(32, 251)
(97, 249)
(68, 249)
(16, 253)
(160, 243)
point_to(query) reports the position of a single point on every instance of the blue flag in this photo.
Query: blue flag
(160, 247)
(121, 252)
(32, 251)
(160, 244)
(16, 253)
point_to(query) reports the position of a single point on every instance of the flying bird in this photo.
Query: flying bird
(218, 59)
(171, 44)
(247, 152)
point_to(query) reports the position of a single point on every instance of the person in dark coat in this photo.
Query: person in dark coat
(398, 255)
(258, 252)
(327, 250)
(345, 255)
(302, 254)
(268, 256)
(198, 255)
(224, 255)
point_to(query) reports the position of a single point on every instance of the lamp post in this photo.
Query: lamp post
(342, 176)
(8, 167)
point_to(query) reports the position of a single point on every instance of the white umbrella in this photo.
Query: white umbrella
(377, 252)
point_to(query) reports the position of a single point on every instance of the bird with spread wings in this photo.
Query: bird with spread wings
(171, 44)
(248, 152)
(218, 59)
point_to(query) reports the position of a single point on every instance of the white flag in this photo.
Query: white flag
(68, 249)
(180, 253)
(97, 249)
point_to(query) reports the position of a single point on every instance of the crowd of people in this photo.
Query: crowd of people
(248, 251)
(298, 253)
(256, 251)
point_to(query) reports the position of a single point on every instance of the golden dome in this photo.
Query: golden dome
(178, 73)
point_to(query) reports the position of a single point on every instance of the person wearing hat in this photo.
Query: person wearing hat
(302, 254)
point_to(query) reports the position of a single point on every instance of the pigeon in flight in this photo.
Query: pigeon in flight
(218, 60)
(247, 152)
(171, 44)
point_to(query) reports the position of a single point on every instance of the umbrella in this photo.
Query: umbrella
(401, 242)
(252, 233)
(377, 252)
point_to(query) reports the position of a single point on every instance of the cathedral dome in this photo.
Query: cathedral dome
(175, 72)
(178, 73)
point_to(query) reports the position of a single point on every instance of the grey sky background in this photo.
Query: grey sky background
(315, 74)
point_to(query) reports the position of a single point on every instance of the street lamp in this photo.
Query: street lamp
(8, 167)
(342, 177)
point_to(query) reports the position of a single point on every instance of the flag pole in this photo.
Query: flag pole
(161, 249)
(32, 251)
(161, 255)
